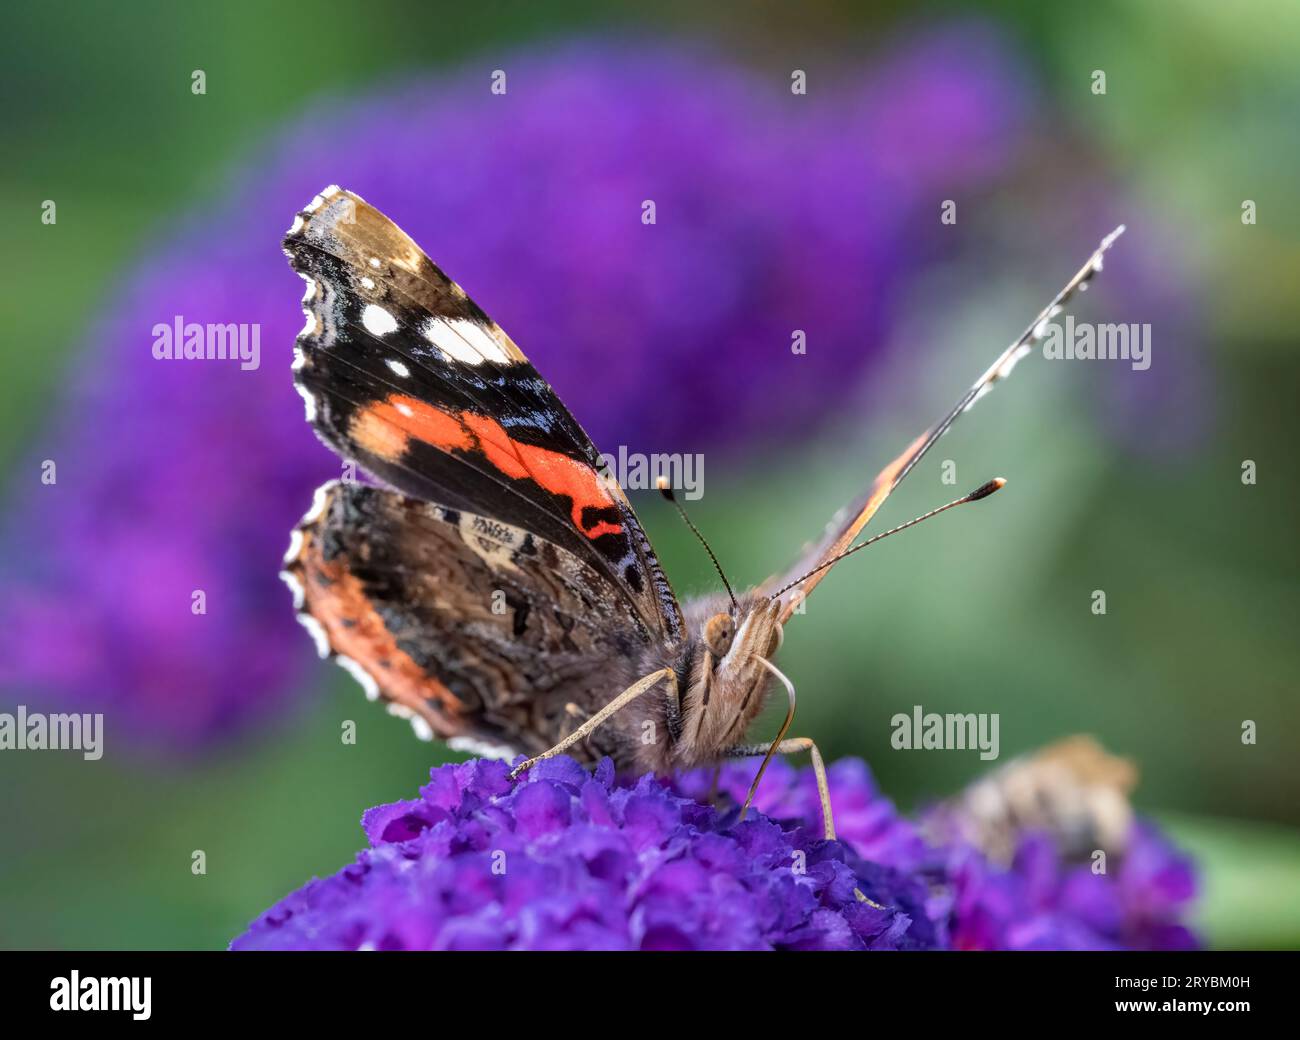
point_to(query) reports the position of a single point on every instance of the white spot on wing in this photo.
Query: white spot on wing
(318, 499)
(308, 402)
(422, 728)
(318, 635)
(481, 748)
(311, 324)
(319, 200)
(360, 675)
(295, 547)
(464, 340)
(483, 341)
(378, 322)
(1106, 243)
(1005, 368)
(418, 723)
(295, 586)
(399, 368)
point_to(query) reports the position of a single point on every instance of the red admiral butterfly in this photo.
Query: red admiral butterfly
(500, 591)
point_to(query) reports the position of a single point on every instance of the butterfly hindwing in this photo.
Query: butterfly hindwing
(472, 627)
(404, 374)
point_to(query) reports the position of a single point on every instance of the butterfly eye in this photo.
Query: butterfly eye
(718, 634)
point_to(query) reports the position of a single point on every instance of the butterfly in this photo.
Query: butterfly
(496, 587)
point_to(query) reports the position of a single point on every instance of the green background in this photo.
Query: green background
(1200, 571)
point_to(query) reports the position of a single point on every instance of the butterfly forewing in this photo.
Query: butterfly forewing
(849, 522)
(403, 373)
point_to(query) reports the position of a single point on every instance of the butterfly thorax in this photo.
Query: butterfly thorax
(722, 687)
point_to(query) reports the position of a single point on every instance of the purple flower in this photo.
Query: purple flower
(864, 818)
(774, 213)
(570, 860)
(567, 859)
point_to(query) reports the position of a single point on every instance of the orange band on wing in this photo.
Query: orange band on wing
(335, 597)
(557, 473)
(880, 489)
(386, 428)
(861, 513)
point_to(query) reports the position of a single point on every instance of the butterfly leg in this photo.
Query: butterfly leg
(712, 798)
(596, 721)
(791, 747)
(577, 714)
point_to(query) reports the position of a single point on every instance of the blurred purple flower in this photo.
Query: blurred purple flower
(774, 213)
(1043, 903)
(566, 859)
(570, 860)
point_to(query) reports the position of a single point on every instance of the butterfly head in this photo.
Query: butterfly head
(728, 682)
(751, 626)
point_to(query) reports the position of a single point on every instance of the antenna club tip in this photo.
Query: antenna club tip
(984, 490)
(665, 489)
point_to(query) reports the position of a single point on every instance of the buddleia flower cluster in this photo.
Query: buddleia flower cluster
(564, 858)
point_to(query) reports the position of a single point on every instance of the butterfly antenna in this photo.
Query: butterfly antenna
(666, 490)
(983, 491)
